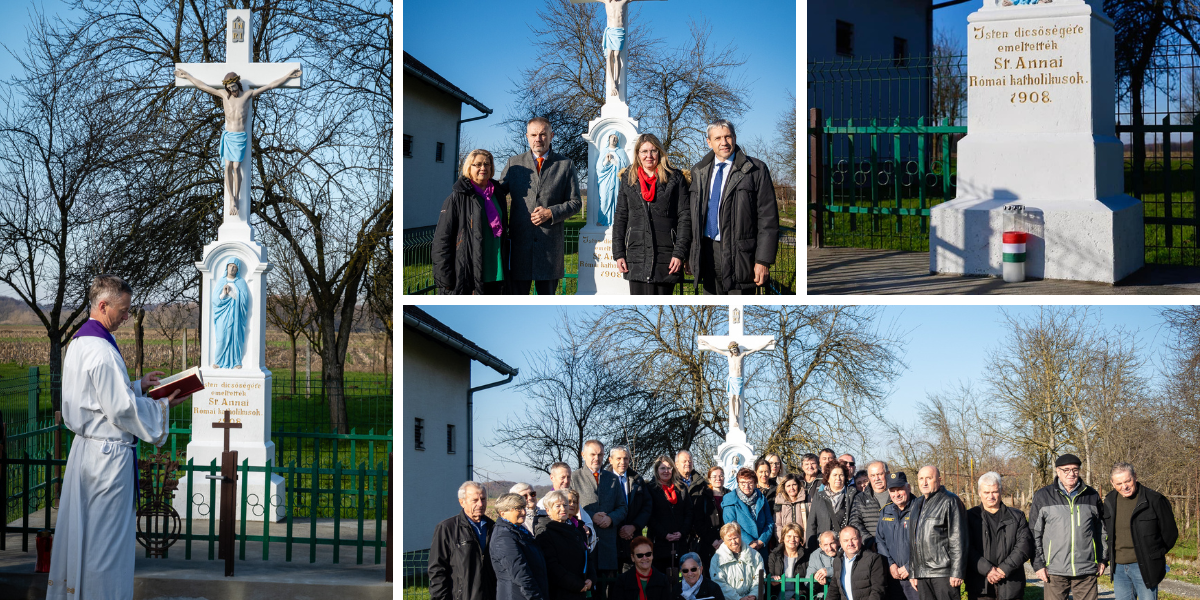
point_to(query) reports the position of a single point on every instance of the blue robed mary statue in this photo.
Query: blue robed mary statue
(231, 303)
(608, 169)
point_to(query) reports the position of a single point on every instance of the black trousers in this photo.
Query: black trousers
(936, 588)
(641, 288)
(712, 259)
(544, 287)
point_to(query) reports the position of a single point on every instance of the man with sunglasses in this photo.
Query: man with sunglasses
(1070, 545)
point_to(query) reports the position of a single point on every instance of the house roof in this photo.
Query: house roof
(425, 323)
(424, 73)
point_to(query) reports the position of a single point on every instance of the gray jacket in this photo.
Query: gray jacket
(607, 498)
(1068, 531)
(536, 252)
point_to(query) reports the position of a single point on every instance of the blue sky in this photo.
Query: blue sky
(946, 345)
(486, 48)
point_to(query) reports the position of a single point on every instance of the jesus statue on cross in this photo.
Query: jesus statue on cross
(234, 139)
(736, 347)
(614, 42)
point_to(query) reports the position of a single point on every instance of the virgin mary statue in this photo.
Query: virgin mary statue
(230, 306)
(608, 170)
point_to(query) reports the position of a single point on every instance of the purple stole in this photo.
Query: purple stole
(93, 328)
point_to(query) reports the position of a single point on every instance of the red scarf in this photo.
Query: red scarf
(640, 579)
(669, 490)
(647, 185)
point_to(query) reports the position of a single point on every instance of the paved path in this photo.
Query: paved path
(1170, 586)
(863, 271)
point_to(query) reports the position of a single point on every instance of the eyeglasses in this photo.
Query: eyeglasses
(1066, 471)
(643, 554)
(691, 570)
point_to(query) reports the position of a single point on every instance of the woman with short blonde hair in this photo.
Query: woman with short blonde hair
(470, 242)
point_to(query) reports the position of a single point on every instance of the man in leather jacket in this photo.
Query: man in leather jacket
(938, 540)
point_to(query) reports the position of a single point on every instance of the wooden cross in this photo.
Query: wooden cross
(226, 425)
(239, 58)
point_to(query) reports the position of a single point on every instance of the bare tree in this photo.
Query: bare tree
(948, 82)
(171, 320)
(1181, 370)
(289, 307)
(378, 286)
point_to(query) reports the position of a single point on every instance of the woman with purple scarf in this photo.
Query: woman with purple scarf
(470, 244)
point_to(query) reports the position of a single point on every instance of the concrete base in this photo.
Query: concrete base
(598, 272)
(1099, 240)
(255, 497)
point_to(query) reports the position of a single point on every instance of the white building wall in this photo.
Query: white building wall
(430, 116)
(436, 380)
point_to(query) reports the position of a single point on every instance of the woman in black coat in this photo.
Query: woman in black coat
(831, 506)
(695, 584)
(566, 550)
(470, 243)
(516, 557)
(642, 581)
(652, 231)
(709, 517)
(670, 515)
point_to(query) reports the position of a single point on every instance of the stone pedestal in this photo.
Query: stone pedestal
(1041, 133)
(598, 272)
(734, 454)
(244, 392)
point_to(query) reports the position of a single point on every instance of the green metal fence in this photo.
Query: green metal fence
(878, 160)
(329, 476)
(418, 270)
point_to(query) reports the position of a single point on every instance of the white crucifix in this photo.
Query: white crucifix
(736, 346)
(237, 81)
(614, 47)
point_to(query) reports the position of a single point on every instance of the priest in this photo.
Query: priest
(94, 537)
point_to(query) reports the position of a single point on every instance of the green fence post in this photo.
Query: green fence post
(34, 392)
(362, 475)
(337, 508)
(191, 476)
(379, 504)
(267, 514)
(1168, 208)
(245, 479)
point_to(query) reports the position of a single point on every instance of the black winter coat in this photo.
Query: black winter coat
(666, 518)
(709, 589)
(707, 519)
(458, 239)
(459, 569)
(1015, 544)
(648, 234)
(749, 217)
(937, 536)
(864, 516)
(637, 511)
(1154, 532)
(518, 562)
(822, 517)
(566, 551)
(868, 576)
(626, 586)
(777, 565)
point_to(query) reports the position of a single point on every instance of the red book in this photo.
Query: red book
(187, 382)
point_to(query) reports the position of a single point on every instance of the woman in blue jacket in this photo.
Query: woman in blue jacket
(747, 507)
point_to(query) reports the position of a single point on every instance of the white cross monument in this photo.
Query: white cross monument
(735, 452)
(243, 384)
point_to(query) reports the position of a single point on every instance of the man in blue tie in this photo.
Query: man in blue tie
(637, 501)
(735, 220)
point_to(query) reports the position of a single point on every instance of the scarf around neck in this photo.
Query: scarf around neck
(670, 493)
(751, 501)
(689, 592)
(489, 206)
(646, 184)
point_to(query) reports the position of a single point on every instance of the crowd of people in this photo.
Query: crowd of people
(605, 532)
(719, 221)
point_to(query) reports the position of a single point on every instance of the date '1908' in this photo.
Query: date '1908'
(1034, 97)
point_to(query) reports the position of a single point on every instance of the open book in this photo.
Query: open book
(187, 382)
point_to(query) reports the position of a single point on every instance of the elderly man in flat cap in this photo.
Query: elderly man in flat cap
(1069, 545)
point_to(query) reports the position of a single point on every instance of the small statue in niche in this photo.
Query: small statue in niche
(231, 305)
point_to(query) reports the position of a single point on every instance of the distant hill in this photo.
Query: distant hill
(16, 312)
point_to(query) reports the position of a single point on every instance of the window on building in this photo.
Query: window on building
(899, 52)
(845, 38)
(441, 152)
(419, 434)
(407, 146)
(450, 439)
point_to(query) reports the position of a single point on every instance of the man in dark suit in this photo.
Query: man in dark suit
(858, 573)
(460, 566)
(601, 496)
(1141, 529)
(735, 219)
(544, 190)
(637, 502)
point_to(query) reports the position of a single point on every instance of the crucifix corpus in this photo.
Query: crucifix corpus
(614, 42)
(736, 347)
(236, 82)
